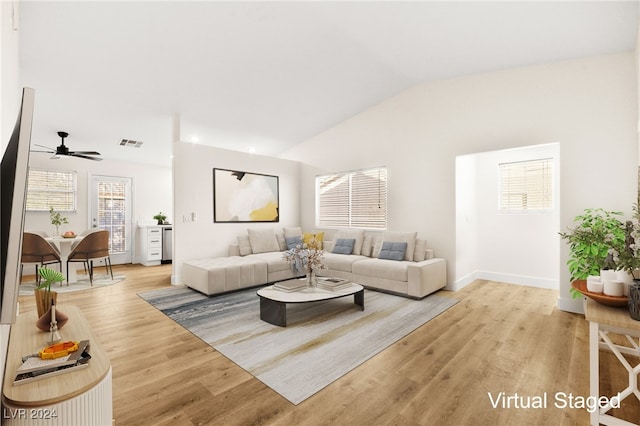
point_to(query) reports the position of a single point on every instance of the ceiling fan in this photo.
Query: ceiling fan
(63, 150)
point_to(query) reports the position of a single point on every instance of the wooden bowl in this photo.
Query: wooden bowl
(581, 286)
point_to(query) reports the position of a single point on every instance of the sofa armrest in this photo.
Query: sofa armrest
(428, 254)
(426, 277)
(234, 250)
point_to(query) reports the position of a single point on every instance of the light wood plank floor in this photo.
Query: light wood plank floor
(499, 338)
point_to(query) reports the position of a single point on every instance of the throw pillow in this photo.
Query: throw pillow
(344, 246)
(358, 235)
(307, 237)
(408, 237)
(263, 240)
(244, 245)
(392, 250)
(292, 242)
(377, 245)
(292, 232)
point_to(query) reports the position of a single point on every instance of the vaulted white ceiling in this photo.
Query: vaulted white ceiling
(265, 76)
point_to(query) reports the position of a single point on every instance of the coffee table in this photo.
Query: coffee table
(273, 302)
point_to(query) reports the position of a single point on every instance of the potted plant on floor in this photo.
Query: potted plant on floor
(44, 294)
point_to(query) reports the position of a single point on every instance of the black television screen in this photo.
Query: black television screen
(13, 188)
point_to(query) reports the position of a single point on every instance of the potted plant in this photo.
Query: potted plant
(594, 241)
(57, 219)
(160, 218)
(43, 292)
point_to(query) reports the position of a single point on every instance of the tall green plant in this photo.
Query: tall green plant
(592, 241)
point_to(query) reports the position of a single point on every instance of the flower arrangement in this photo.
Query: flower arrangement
(627, 255)
(309, 257)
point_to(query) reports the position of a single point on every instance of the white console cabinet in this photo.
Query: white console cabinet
(150, 245)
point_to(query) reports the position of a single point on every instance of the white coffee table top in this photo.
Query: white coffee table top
(307, 294)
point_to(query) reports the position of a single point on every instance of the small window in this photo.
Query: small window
(51, 188)
(356, 199)
(526, 186)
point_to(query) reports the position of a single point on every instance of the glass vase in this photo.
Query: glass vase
(311, 279)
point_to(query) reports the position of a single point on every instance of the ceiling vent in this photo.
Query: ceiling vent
(130, 143)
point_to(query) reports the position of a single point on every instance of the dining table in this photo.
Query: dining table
(64, 244)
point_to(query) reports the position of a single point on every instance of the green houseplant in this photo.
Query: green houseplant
(594, 241)
(57, 219)
(160, 218)
(43, 292)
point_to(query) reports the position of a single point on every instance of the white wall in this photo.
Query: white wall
(466, 220)
(524, 248)
(193, 187)
(589, 105)
(151, 192)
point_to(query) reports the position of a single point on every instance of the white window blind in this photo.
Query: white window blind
(356, 199)
(51, 188)
(526, 185)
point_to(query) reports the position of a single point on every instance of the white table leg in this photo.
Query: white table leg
(594, 368)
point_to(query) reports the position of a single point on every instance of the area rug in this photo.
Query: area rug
(322, 341)
(83, 283)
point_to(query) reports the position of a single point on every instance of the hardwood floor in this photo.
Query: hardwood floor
(498, 338)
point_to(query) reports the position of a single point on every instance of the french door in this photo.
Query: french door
(111, 210)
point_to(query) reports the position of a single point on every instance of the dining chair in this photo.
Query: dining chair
(94, 246)
(37, 250)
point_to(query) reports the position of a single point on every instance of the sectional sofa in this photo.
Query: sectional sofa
(394, 262)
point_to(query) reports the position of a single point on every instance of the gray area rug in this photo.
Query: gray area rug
(322, 340)
(83, 283)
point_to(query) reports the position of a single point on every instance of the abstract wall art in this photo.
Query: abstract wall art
(244, 197)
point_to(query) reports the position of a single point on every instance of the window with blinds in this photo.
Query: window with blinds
(51, 188)
(356, 199)
(526, 186)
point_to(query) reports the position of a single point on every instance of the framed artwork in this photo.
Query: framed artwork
(245, 197)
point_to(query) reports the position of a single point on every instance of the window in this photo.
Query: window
(526, 186)
(51, 188)
(355, 199)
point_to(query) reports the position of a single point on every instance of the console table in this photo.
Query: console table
(602, 321)
(79, 397)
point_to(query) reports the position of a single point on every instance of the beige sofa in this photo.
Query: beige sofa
(257, 259)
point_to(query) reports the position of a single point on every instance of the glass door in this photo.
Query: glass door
(111, 210)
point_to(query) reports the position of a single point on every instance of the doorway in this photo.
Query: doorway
(111, 209)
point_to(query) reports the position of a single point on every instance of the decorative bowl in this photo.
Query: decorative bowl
(581, 286)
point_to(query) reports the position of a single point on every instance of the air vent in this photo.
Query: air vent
(130, 143)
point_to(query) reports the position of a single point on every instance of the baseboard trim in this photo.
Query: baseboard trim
(518, 279)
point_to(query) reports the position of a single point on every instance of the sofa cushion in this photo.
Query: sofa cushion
(344, 246)
(367, 246)
(274, 261)
(341, 262)
(408, 237)
(292, 232)
(419, 253)
(393, 250)
(263, 240)
(358, 234)
(244, 245)
(377, 245)
(282, 245)
(382, 269)
(292, 242)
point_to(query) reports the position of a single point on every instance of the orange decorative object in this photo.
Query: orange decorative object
(58, 350)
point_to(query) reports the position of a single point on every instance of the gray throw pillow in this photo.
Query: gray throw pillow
(344, 245)
(392, 251)
(292, 242)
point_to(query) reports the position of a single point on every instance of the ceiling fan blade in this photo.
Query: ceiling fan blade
(84, 152)
(48, 152)
(75, 154)
(45, 147)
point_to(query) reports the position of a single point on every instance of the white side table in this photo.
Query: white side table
(602, 321)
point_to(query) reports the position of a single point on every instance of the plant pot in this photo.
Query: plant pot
(42, 304)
